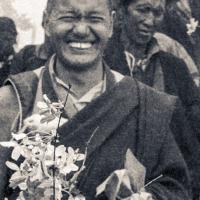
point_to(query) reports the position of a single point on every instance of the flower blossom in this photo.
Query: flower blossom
(192, 26)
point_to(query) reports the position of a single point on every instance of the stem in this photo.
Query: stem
(153, 181)
(23, 129)
(74, 178)
(55, 140)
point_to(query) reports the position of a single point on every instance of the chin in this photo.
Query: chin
(81, 64)
(142, 41)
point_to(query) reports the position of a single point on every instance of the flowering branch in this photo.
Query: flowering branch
(56, 137)
(43, 162)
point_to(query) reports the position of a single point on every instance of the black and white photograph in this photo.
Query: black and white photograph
(99, 99)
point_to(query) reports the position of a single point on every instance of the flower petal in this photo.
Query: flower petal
(23, 186)
(70, 150)
(12, 166)
(8, 144)
(80, 157)
(42, 105)
(19, 136)
(16, 153)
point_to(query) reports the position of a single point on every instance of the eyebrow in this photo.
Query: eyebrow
(95, 13)
(77, 13)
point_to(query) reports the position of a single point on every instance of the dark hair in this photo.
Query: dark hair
(7, 26)
(125, 3)
(51, 5)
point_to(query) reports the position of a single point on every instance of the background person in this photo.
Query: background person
(31, 57)
(8, 35)
(177, 16)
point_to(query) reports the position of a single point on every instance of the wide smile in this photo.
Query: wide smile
(81, 45)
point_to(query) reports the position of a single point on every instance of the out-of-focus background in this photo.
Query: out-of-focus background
(27, 15)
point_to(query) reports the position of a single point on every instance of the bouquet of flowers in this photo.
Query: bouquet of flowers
(42, 168)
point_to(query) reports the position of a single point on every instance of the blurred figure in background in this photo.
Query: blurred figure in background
(195, 7)
(178, 15)
(31, 57)
(8, 35)
(163, 38)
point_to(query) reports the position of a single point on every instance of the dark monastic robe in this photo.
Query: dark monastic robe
(128, 115)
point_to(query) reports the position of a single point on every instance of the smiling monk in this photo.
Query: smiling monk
(125, 113)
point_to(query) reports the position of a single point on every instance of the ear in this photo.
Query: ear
(45, 23)
(113, 15)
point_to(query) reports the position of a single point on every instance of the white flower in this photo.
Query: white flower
(43, 163)
(192, 26)
(141, 196)
(35, 122)
(8, 144)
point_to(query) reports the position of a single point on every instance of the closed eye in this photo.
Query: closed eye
(95, 18)
(144, 10)
(69, 18)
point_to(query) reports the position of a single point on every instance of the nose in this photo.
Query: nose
(81, 29)
(150, 20)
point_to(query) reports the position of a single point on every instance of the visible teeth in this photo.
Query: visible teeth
(80, 45)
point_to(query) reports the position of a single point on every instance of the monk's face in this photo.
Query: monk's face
(80, 30)
(142, 17)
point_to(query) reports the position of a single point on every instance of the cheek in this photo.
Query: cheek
(135, 18)
(59, 30)
(102, 31)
